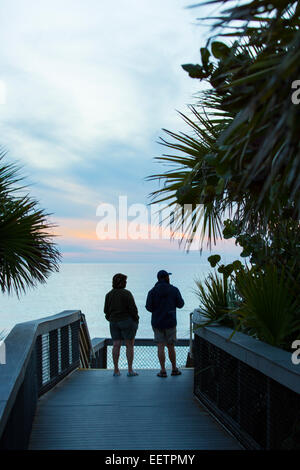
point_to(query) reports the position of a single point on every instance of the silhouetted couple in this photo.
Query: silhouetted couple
(122, 313)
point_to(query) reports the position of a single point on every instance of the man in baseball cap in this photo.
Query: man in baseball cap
(162, 301)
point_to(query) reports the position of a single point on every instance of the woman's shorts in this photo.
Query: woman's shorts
(167, 336)
(124, 329)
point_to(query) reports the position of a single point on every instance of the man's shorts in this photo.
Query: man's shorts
(167, 336)
(124, 329)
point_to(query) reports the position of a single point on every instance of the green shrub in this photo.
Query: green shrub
(269, 310)
(217, 297)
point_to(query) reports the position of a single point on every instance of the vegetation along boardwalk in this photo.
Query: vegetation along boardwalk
(91, 409)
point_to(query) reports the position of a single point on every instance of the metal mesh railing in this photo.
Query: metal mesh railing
(259, 411)
(50, 350)
(57, 354)
(145, 357)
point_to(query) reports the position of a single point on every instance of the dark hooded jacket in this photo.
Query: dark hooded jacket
(162, 301)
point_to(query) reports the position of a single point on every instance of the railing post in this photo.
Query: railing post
(64, 350)
(75, 342)
(53, 344)
(103, 358)
(39, 362)
(268, 417)
(99, 361)
(238, 418)
(190, 359)
(191, 335)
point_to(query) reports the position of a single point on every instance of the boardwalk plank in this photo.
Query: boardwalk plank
(91, 409)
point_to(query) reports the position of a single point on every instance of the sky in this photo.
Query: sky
(87, 87)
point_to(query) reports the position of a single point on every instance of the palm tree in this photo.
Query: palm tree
(241, 157)
(28, 253)
(238, 165)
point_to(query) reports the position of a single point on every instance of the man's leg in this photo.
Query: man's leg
(116, 354)
(172, 355)
(171, 336)
(161, 356)
(129, 354)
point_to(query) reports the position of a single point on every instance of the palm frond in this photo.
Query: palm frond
(28, 253)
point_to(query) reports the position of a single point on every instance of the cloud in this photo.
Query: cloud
(69, 190)
(93, 72)
(89, 85)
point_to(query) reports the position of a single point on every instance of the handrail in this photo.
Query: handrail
(191, 336)
(274, 363)
(24, 367)
(253, 388)
(39, 354)
(86, 348)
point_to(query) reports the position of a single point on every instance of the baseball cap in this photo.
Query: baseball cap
(162, 274)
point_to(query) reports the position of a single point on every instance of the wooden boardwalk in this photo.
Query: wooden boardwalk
(91, 409)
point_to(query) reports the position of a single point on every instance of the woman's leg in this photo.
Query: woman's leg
(128, 332)
(129, 353)
(116, 354)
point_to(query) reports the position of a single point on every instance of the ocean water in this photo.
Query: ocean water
(83, 287)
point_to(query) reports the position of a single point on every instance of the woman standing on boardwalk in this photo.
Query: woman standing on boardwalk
(121, 312)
